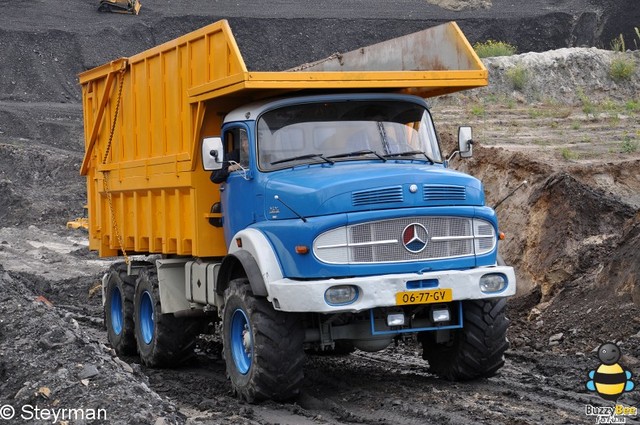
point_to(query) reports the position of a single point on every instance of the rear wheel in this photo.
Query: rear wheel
(118, 310)
(263, 348)
(162, 339)
(476, 350)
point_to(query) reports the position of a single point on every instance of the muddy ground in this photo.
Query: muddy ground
(573, 232)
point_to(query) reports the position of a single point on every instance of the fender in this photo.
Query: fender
(230, 266)
(250, 250)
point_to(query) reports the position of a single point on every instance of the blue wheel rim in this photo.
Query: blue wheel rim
(146, 317)
(241, 342)
(117, 316)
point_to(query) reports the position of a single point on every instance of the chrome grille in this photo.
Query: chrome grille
(443, 193)
(382, 241)
(377, 196)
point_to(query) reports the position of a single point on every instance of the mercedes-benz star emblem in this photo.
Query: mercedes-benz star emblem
(415, 238)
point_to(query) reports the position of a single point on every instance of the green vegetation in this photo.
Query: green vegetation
(588, 107)
(632, 105)
(518, 76)
(608, 105)
(617, 44)
(622, 69)
(492, 48)
(478, 110)
(629, 145)
(614, 120)
(568, 154)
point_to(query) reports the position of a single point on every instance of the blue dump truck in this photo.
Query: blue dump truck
(335, 222)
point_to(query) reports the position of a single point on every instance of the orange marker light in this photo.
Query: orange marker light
(501, 236)
(302, 249)
(239, 242)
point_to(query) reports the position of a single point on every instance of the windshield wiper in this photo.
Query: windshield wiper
(358, 153)
(297, 158)
(391, 155)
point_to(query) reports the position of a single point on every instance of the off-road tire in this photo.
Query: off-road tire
(476, 350)
(163, 340)
(266, 363)
(118, 310)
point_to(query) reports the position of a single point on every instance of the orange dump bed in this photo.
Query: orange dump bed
(144, 118)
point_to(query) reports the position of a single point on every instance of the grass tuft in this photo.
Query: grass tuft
(568, 154)
(492, 48)
(518, 76)
(622, 69)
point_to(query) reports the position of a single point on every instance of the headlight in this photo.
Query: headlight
(494, 282)
(341, 294)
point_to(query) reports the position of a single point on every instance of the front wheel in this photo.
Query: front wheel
(263, 348)
(476, 350)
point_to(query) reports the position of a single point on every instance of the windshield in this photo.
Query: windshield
(345, 131)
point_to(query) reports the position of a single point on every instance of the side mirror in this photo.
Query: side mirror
(465, 142)
(212, 153)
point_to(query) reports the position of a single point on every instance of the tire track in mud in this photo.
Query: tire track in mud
(394, 387)
(387, 388)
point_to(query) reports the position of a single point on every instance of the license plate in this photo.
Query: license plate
(424, 297)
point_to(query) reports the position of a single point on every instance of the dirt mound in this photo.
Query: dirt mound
(458, 5)
(57, 366)
(568, 75)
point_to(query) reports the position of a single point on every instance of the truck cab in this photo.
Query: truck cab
(357, 179)
(368, 233)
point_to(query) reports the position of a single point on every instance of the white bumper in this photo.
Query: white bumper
(380, 291)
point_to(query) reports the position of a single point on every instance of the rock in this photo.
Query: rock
(44, 392)
(207, 404)
(125, 366)
(88, 372)
(533, 314)
(629, 360)
(24, 392)
(63, 373)
(56, 338)
(556, 339)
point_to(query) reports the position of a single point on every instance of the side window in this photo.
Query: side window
(236, 145)
(243, 146)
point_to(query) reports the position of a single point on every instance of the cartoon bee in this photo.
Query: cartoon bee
(610, 380)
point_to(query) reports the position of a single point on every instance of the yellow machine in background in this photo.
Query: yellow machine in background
(80, 222)
(120, 6)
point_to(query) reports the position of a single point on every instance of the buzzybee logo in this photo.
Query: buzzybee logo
(610, 380)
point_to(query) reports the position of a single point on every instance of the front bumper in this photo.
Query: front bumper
(380, 291)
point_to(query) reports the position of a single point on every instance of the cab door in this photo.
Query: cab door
(238, 192)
